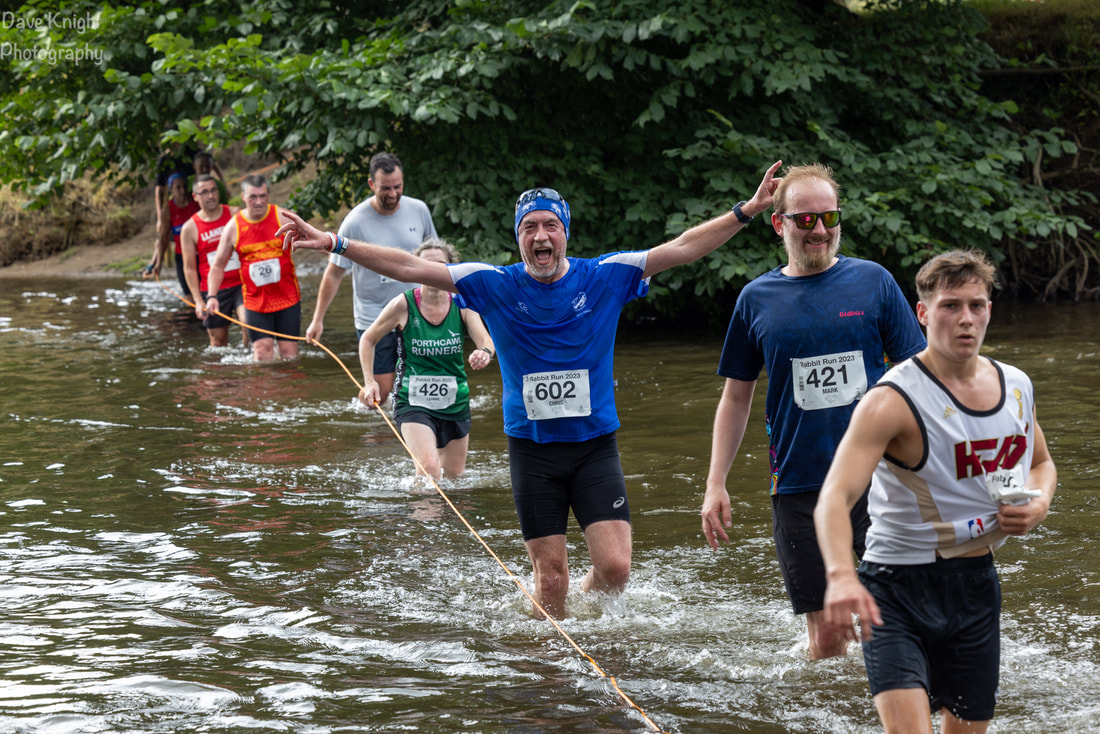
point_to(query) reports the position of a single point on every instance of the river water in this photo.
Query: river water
(191, 543)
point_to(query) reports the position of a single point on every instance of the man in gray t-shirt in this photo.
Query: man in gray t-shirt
(386, 218)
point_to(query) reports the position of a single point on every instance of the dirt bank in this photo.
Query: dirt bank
(126, 256)
(90, 261)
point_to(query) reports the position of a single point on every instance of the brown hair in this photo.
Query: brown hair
(798, 174)
(953, 269)
(435, 243)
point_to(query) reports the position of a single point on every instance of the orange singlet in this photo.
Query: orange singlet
(267, 272)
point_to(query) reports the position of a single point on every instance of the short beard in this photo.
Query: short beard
(814, 263)
(382, 205)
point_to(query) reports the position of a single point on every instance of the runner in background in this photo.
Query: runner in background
(272, 297)
(199, 240)
(432, 401)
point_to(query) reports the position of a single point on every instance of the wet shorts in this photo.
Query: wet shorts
(228, 300)
(941, 632)
(385, 352)
(550, 478)
(797, 550)
(445, 430)
(287, 322)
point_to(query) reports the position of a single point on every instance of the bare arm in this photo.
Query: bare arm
(881, 422)
(159, 194)
(730, 421)
(189, 236)
(389, 261)
(164, 233)
(1022, 519)
(326, 292)
(704, 238)
(394, 315)
(475, 327)
(217, 268)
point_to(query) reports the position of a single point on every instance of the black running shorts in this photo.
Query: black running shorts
(550, 478)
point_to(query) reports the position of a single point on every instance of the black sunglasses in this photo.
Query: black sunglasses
(532, 194)
(808, 220)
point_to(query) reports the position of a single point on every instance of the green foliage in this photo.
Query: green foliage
(649, 115)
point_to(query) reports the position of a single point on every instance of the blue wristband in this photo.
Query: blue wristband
(339, 244)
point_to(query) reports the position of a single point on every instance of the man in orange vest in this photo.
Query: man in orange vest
(272, 298)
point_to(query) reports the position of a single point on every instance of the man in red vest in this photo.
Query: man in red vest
(199, 240)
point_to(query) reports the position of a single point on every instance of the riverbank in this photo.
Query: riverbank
(129, 255)
(91, 261)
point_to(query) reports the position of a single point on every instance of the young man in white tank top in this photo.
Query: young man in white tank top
(956, 460)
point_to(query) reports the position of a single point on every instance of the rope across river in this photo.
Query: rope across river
(377, 406)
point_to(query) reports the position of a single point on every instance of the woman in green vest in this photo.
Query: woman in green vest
(431, 397)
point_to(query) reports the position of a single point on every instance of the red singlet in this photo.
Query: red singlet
(178, 216)
(206, 244)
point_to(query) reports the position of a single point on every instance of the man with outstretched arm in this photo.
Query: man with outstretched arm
(553, 320)
(822, 327)
(952, 449)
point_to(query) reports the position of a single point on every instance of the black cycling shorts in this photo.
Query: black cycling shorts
(549, 479)
(287, 322)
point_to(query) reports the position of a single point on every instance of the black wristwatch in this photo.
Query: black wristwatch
(741, 216)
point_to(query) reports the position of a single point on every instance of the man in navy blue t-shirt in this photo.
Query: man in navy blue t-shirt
(822, 327)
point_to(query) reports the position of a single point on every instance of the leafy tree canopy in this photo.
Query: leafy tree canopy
(648, 115)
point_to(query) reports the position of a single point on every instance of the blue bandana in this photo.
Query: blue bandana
(546, 200)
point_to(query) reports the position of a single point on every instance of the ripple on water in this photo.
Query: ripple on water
(196, 543)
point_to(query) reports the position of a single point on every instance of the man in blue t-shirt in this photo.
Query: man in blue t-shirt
(821, 326)
(553, 319)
